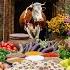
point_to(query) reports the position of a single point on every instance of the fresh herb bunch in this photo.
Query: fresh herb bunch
(3, 54)
(64, 54)
(43, 44)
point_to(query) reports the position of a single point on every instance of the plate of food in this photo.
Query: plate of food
(34, 58)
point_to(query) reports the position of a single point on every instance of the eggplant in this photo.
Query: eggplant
(35, 47)
(30, 46)
(40, 49)
(24, 50)
(26, 47)
(46, 50)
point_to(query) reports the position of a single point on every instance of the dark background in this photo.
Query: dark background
(20, 6)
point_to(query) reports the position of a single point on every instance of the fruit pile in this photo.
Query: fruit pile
(10, 46)
(66, 64)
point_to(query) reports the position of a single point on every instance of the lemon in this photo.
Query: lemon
(68, 68)
(65, 62)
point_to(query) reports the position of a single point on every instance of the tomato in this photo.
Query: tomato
(9, 49)
(10, 43)
(8, 46)
(5, 44)
(4, 47)
(14, 48)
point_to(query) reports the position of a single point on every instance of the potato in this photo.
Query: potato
(5, 65)
(1, 65)
(1, 69)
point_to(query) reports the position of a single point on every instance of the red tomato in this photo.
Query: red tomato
(5, 44)
(4, 48)
(9, 49)
(10, 43)
(8, 46)
(14, 48)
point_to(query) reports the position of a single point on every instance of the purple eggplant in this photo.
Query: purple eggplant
(35, 47)
(27, 46)
(40, 49)
(30, 46)
(46, 50)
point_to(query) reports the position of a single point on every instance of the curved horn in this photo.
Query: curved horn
(43, 3)
(30, 6)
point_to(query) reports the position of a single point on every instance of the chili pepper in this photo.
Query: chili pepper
(51, 54)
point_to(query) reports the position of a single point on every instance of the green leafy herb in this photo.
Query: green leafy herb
(64, 54)
(3, 54)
